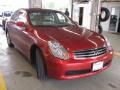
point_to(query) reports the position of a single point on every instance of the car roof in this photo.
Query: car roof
(37, 9)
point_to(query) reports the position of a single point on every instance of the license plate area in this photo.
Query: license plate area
(97, 66)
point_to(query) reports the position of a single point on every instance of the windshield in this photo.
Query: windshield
(49, 18)
(7, 14)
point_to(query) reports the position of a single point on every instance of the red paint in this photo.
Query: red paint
(71, 37)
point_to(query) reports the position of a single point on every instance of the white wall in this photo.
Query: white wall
(60, 5)
(86, 14)
(109, 5)
(12, 5)
(35, 3)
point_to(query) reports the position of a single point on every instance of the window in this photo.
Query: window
(21, 17)
(7, 14)
(61, 18)
(39, 18)
(49, 18)
(14, 16)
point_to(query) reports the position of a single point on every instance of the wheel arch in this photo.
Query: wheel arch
(33, 52)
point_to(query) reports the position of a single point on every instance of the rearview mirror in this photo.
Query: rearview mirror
(20, 24)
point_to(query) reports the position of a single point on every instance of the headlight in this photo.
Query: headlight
(58, 50)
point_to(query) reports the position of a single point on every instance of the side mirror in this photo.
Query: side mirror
(20, 24)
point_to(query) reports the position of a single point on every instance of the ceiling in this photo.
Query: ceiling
(101, 0)
(110, 0)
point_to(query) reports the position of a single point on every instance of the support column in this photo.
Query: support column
(35, 3)
(95, 11)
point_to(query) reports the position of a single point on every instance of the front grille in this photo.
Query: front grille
(77, 72)
(90, 52)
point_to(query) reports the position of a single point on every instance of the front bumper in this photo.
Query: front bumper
(71, 69)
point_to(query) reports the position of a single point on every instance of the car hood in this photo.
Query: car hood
(72, 37)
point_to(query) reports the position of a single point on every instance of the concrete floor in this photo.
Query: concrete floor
(19, 74)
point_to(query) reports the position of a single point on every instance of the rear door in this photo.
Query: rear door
(11, 26)
(20, 36)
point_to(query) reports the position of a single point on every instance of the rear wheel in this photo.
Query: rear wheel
(9, 40)
(40, 65)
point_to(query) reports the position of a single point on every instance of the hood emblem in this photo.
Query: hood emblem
(96, 52)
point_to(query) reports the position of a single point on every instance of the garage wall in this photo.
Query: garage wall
(86, 14)
(109, 5)
(35, 3)
(13, 5)
(60, 5)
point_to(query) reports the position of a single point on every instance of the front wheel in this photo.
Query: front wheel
(9, 40)
(40, 65)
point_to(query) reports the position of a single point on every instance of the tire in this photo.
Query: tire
(40, 66)
(9, 40)
(107, 14)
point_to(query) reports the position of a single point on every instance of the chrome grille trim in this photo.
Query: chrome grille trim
(90, 52)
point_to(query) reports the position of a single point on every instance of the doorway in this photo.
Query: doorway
(114, 25)
(81, 15)
(118, 29)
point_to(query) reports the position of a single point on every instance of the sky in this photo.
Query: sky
(12, 5)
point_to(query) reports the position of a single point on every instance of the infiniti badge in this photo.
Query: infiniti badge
(96, 52)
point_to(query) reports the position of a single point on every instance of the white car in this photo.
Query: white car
(5, 16)
(0, 18)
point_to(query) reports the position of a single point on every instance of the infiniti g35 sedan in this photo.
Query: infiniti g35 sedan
(56, 46)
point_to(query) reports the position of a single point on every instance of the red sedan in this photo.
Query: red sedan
(56, 46)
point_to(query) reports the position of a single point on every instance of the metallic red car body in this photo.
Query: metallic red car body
(73, 38)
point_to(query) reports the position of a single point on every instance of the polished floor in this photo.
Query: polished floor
(19, 74)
